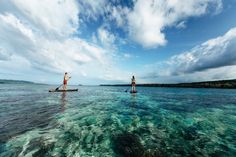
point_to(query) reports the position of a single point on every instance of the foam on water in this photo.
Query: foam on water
(99, 121)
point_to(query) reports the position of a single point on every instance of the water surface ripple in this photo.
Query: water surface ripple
(106, 121)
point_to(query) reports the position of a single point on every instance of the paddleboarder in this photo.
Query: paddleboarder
(66, 78)
(133, 84)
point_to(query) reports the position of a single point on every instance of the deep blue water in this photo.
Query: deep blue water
(106, 121)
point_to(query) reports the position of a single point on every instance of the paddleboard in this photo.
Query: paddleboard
(60, 90)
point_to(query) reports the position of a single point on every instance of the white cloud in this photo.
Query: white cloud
(44, 53)
(55, 18)
(149, 18)
(106, 38)
(222, 73)
(41, 35)
(213, 59)
(4, 55)
(181, 25)
(94, 38)
(146, 21)
(119, 14)
(44, 35)
(213, 53)
(92, 9)
(127, 55)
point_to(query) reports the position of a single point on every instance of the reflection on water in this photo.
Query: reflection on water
(21, 111)
(63, 101)
(106, 121)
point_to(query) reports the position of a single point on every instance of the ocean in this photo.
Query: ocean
(101, 121)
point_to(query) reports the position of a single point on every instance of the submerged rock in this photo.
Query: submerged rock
(190, 133)
(128, 145)
(152, 153)
(39, 145)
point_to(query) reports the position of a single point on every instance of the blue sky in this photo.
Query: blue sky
(162, 41)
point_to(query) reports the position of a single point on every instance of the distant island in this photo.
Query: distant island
(208, 84)
(4, 81)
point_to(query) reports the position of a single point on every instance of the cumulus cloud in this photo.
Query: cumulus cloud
(44, 36)
(41, 35)
(221, 73)
(213, 59)
(21, 36)
(145, 21)
(213, 53)
(149, 18)
(42, 52)
(54, 18)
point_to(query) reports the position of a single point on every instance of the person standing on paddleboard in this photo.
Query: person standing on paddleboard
(133, 84)
(66, 78)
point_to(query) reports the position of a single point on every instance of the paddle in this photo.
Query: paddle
(126, 90)
(58, 87)
(61, 85)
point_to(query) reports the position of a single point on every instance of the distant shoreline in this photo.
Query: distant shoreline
(6, 81)
(226, 84)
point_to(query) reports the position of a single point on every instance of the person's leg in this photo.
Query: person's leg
(64, 86)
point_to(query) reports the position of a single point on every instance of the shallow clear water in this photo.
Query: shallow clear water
(106, 121)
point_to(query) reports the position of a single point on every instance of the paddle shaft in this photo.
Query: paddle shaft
(126, 90)
(61, 85)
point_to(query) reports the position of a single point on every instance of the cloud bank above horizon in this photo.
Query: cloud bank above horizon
(95, 40)
(210, 60)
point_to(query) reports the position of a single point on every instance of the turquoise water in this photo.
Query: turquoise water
(106, 122)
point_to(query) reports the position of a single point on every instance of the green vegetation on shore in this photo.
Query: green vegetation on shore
(3, 81)
(208, 84)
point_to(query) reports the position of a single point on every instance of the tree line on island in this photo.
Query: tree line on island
(231, 84)
(207, 84)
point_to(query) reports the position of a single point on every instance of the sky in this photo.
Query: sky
(108, 41)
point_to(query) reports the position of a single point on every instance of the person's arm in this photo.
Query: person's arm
(67, 77)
